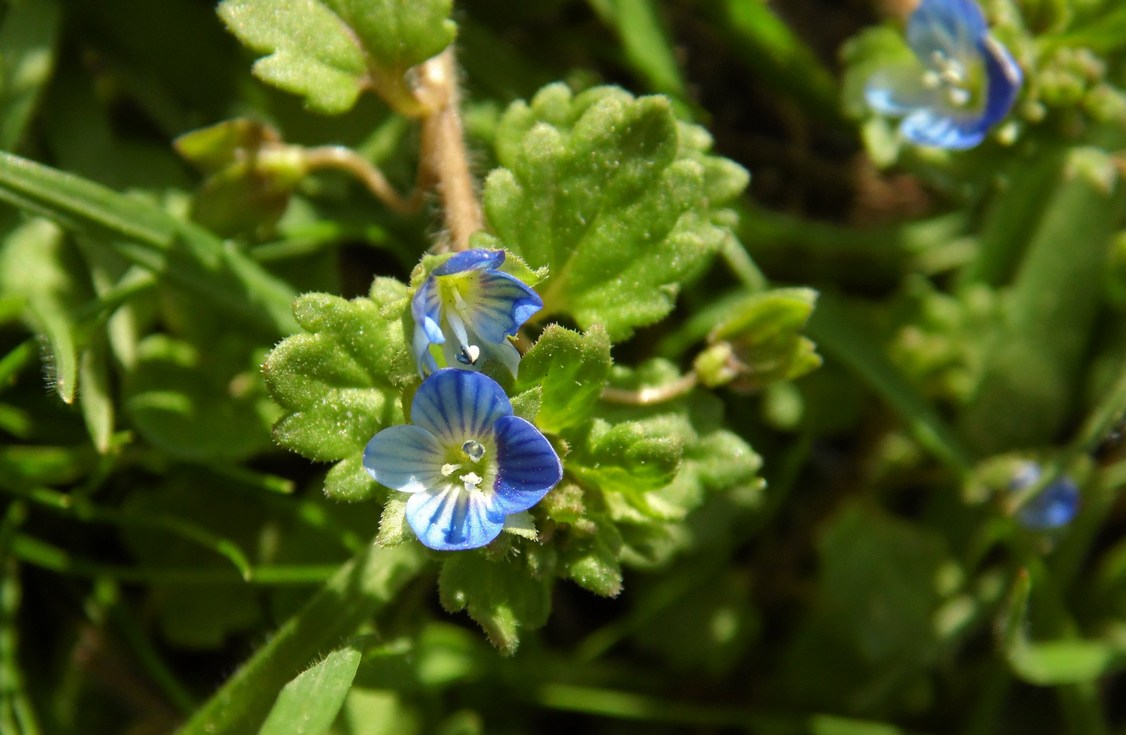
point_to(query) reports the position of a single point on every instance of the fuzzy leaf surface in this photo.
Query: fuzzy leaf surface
(614, 197)
(339, 382)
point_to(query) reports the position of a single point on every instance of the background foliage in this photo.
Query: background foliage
(861, 344)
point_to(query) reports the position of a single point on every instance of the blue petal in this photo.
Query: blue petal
(471, 260)
(527, 466)
(1055, 506)
(503, 303)
(426, 312)
(950, 27)
(1003, 79)
(452, 518)
(943, 128)
(456, 405)
(404, 457)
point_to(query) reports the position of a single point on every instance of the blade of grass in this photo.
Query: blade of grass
(357, 591)
(27, 51)
(839, 335)
(181, 252)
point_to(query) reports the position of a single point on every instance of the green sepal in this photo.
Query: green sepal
(760, 341)
(393, 527)
(614, 196)
(571, 369)
(502, 595)
(251, 175)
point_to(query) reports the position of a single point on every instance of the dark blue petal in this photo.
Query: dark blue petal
(1003, 79)
(527, 466)
(503, 303)
(404, 457)
(953, 28)
(471, 260)
(456, 405)
(1055, 506)
(452, 518)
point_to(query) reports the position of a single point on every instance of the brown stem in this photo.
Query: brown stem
(345, 159)
(652, 395)
(444, 158)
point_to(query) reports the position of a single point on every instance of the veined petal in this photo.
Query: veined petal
(407, 458)
(527, 466)
(452, 518)
(503, 303)
(950, 27)
(943, 129)
(456, 405)
(471, 260)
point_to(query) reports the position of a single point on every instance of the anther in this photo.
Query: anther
(474, 450)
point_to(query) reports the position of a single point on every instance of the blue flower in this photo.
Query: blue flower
(1055, 506)
(466, 460)
(470, 308)
(965, 84)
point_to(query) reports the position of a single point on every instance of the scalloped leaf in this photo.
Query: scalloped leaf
(329, 51)
(340, 382)
(614, 196)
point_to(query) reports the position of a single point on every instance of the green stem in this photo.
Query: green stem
(41, 554)
(360, 589)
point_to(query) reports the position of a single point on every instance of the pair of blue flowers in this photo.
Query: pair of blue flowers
(964, 84)
(466, 460)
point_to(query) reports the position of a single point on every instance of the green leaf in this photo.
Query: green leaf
(593, 563)
(359, 589)
(631, 458)
(339, 383)
(97, 402)
(330, 51)
(199, 404)
(184, 254)
(572, 369)
(502, 596)
(1034, 358)
(27, 59)
(308, 704)
(38, 264)
(613, 196)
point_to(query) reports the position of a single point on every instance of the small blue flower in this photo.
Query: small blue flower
(466, 460)
(965, 84)
(1054, 507)
(470, 308)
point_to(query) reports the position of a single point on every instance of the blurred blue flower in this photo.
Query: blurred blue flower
(466, 460)
(965, 84)
(470, 308)
(1054, 507)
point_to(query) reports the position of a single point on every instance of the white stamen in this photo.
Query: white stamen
(471, 480)
(449, 469)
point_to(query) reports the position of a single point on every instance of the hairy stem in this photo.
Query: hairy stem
(444, 158)
(650, 395)
(345, 159)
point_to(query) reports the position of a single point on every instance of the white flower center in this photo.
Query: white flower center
(950, 76)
